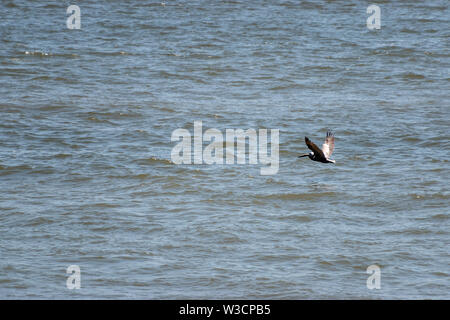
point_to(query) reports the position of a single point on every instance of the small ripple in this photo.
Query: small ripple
(296, 196)
(433, 196)
(5, 170)
(413, 76)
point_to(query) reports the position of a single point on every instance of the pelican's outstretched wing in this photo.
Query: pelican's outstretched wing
(328, 145)
(312, 146)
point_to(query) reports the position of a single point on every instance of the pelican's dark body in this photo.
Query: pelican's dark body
(313, 157)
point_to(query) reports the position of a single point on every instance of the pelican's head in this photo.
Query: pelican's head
(309, 155)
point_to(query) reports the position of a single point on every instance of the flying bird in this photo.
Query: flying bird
(321, 155)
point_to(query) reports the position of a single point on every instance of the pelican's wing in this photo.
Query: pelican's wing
(328, 145)
(312, 146)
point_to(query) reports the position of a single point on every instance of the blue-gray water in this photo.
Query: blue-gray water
(86, 177)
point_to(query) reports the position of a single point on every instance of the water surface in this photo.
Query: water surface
(86, 177)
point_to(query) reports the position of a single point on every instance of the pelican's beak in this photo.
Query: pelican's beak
(303, 155)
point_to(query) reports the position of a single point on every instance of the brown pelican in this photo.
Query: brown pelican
(321, 155)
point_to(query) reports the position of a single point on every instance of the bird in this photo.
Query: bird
(321, 155)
